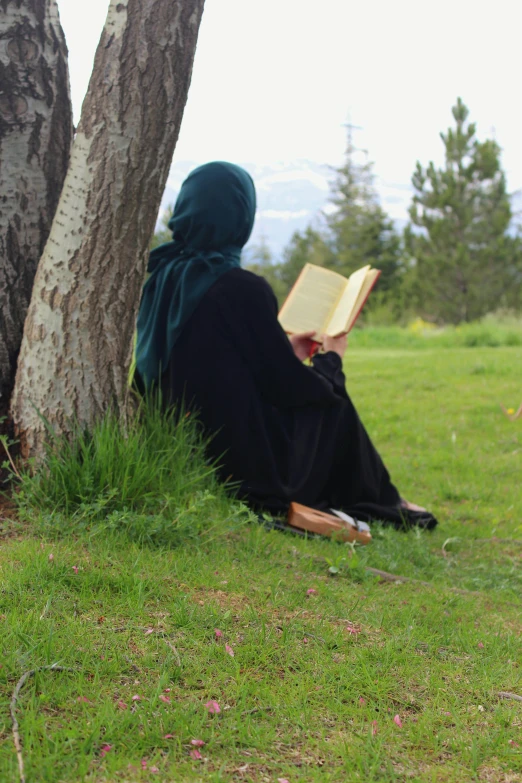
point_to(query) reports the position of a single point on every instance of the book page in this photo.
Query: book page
(346, 307)
(312, 301)
(369, 282)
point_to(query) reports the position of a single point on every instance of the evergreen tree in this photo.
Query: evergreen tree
(356, 233)
(361, 231)
(464, 259)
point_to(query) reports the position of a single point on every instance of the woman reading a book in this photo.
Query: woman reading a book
(209, 337)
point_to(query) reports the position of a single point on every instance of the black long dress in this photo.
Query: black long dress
(281, 431)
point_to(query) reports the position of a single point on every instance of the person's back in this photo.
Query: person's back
(234, 366)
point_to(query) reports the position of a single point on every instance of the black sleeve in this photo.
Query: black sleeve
(283, 380)
(330, 366)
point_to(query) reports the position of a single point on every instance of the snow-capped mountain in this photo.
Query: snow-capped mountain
(291, 195)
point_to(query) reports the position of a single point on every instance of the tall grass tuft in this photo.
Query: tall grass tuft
(148, 477)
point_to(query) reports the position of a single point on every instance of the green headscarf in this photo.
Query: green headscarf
(212, 221)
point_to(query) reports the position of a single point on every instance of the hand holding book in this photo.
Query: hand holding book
(325, 302)
(307, 344)
(304, 345)
(335, 344)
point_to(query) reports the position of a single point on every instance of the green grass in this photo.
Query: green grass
(312, 674)
(147, 477)
(490, 332)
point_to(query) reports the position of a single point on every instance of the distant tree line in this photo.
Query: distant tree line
(459, 257)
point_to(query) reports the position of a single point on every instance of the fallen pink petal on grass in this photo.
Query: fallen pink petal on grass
(480, 646)
(362, 701)
(352, 629)
(229, 650)
(283, 780)
(121, 705)
(51, 557)
(218, 633)
(144, 763)
(513, 743)
(311, 591)
(305, 640)
(75, 569)
(197, 743)
(136, 697)
(105, 749)
(154, 770)
(84, 699)
(169, 736)
(447, 713)
(195, 754)
(213, 707)
(164, 699)
(374, 728)
(149, 631)
(397, 721)
(167, 690)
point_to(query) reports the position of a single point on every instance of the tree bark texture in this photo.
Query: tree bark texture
(78, 333)
(35, 139)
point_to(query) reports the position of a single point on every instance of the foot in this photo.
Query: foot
(411, 506)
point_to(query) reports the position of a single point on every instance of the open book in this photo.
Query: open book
(326, 302)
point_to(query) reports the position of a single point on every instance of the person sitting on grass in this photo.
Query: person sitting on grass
(208, 337)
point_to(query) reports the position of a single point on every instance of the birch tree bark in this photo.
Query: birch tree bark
(77, 341)
(35, 140)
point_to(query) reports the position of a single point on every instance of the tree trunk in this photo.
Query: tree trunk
(77, 341)
(35, 140)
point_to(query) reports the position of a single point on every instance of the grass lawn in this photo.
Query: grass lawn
(309, 669)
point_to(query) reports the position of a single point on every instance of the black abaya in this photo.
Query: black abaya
(281, 431)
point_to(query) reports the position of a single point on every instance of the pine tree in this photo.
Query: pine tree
(356, 233)
(361, 231)
(464, 259)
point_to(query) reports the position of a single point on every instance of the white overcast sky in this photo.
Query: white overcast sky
(274, 80)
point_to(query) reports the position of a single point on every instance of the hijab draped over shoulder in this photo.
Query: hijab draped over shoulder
(212, 221)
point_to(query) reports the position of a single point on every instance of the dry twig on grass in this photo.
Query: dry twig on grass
(14, 699)
(508, 695)
(384, 576)
(257, 709)
(174, 650)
